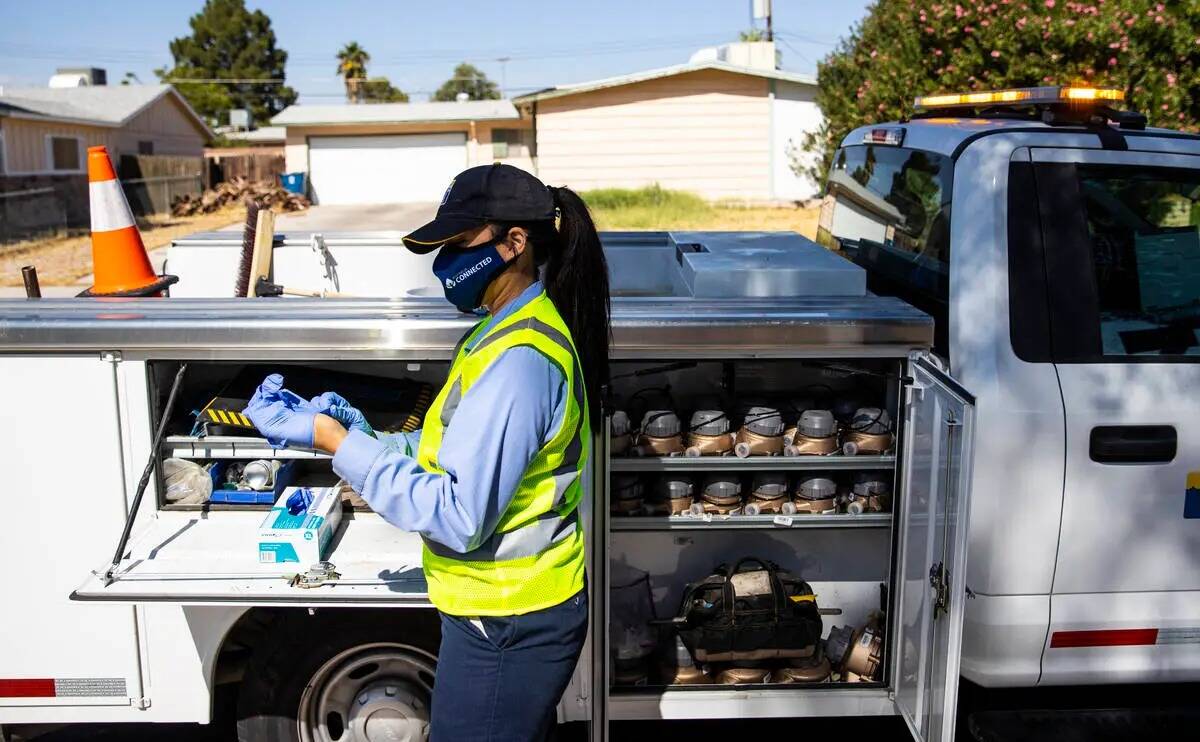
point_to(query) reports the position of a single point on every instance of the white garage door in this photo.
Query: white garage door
(384, 169)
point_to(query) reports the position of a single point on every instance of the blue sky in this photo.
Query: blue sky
(417, 43)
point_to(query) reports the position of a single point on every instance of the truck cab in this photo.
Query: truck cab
(1057, 247)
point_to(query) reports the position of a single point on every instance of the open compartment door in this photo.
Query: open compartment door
(932, 551)
(194, 558)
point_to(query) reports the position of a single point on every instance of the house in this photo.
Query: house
(721, 129)
(396, 152)
(45, 133)
(727, 125)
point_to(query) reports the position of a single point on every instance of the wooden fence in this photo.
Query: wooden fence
(252, 163)
(151, 182)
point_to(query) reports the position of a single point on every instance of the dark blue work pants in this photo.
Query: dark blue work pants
(499, 679)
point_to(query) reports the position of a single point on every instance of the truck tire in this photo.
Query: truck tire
(341, 676)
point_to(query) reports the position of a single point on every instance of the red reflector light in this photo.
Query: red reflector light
(26, 688)
(893, 137)
(1110, 638)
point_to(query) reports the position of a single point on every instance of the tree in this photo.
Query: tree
(352, 66)
(1151, 50)
(754, 34)
(229, 42)
(470, 80)
(381, 90)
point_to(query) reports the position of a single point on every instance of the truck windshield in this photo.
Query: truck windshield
(1144, 228)
(888, 210)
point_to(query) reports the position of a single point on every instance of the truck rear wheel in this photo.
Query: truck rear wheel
(341, 676)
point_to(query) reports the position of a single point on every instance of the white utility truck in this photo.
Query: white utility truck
(1021, 506)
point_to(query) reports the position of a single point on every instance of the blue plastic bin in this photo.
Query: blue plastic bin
(283, 478)
(293, 182)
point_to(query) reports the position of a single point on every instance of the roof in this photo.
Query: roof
(654, 74)
(95, 105)
(944, 135)
(396, 113)
(263, 135)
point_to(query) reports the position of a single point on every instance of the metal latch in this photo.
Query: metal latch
(939, 580)
(316, 576)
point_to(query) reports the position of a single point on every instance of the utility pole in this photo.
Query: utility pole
(761, 9)
(503, 73)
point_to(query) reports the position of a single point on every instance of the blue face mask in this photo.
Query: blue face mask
(466, 272)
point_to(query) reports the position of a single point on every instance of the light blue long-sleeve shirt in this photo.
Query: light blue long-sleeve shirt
(511, 411)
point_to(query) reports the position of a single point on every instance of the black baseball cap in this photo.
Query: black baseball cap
(478, 195)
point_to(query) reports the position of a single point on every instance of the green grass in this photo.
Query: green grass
(651, 207)
(655, 207)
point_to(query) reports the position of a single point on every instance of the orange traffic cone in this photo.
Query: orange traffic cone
(119, 260)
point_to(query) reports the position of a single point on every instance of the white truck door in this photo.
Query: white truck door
(1121, 233)
(62, 504)
(932, 551)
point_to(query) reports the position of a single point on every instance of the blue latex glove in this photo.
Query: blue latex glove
(284, 418)
(299, 501)
(336, 406)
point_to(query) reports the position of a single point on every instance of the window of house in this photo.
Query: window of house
(64, 154)
(510, 143)
(2, 163)
(145, 147)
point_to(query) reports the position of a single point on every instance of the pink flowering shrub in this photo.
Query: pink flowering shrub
(904, 48)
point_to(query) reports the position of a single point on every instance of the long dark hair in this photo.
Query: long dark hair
(575, 275)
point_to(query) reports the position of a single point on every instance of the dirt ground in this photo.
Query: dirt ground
(64, 261)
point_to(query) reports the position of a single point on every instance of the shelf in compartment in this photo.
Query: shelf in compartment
(753, 463)
(764, 522)
(725, 702)
(231, 447)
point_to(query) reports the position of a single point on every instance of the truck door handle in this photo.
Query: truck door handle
(1133, 444)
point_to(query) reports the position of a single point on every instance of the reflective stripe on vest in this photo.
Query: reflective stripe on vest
(534, 557)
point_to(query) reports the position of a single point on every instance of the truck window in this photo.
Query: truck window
(888, 210)
(1122, 252)
(1142, 224)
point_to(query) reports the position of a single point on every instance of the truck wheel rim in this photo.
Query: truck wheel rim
(369, 692)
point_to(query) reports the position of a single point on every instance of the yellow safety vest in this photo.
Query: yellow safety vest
(534, 558)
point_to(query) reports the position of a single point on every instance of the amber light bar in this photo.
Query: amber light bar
(1049, 94)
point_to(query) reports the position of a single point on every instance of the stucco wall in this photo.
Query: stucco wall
(707, 132)
(793, 114)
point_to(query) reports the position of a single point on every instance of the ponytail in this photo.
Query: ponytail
(576, 280)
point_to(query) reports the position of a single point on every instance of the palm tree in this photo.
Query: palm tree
(352, 66)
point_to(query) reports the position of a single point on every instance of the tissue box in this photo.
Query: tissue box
(305, 537)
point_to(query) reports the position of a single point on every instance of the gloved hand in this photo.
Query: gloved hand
(336, 406)
(283, 417)
(299, 501)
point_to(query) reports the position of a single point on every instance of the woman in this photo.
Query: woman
(494, 479)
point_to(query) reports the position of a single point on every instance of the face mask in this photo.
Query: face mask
(466, 272)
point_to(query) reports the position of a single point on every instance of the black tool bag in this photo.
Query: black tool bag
(754, 611)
